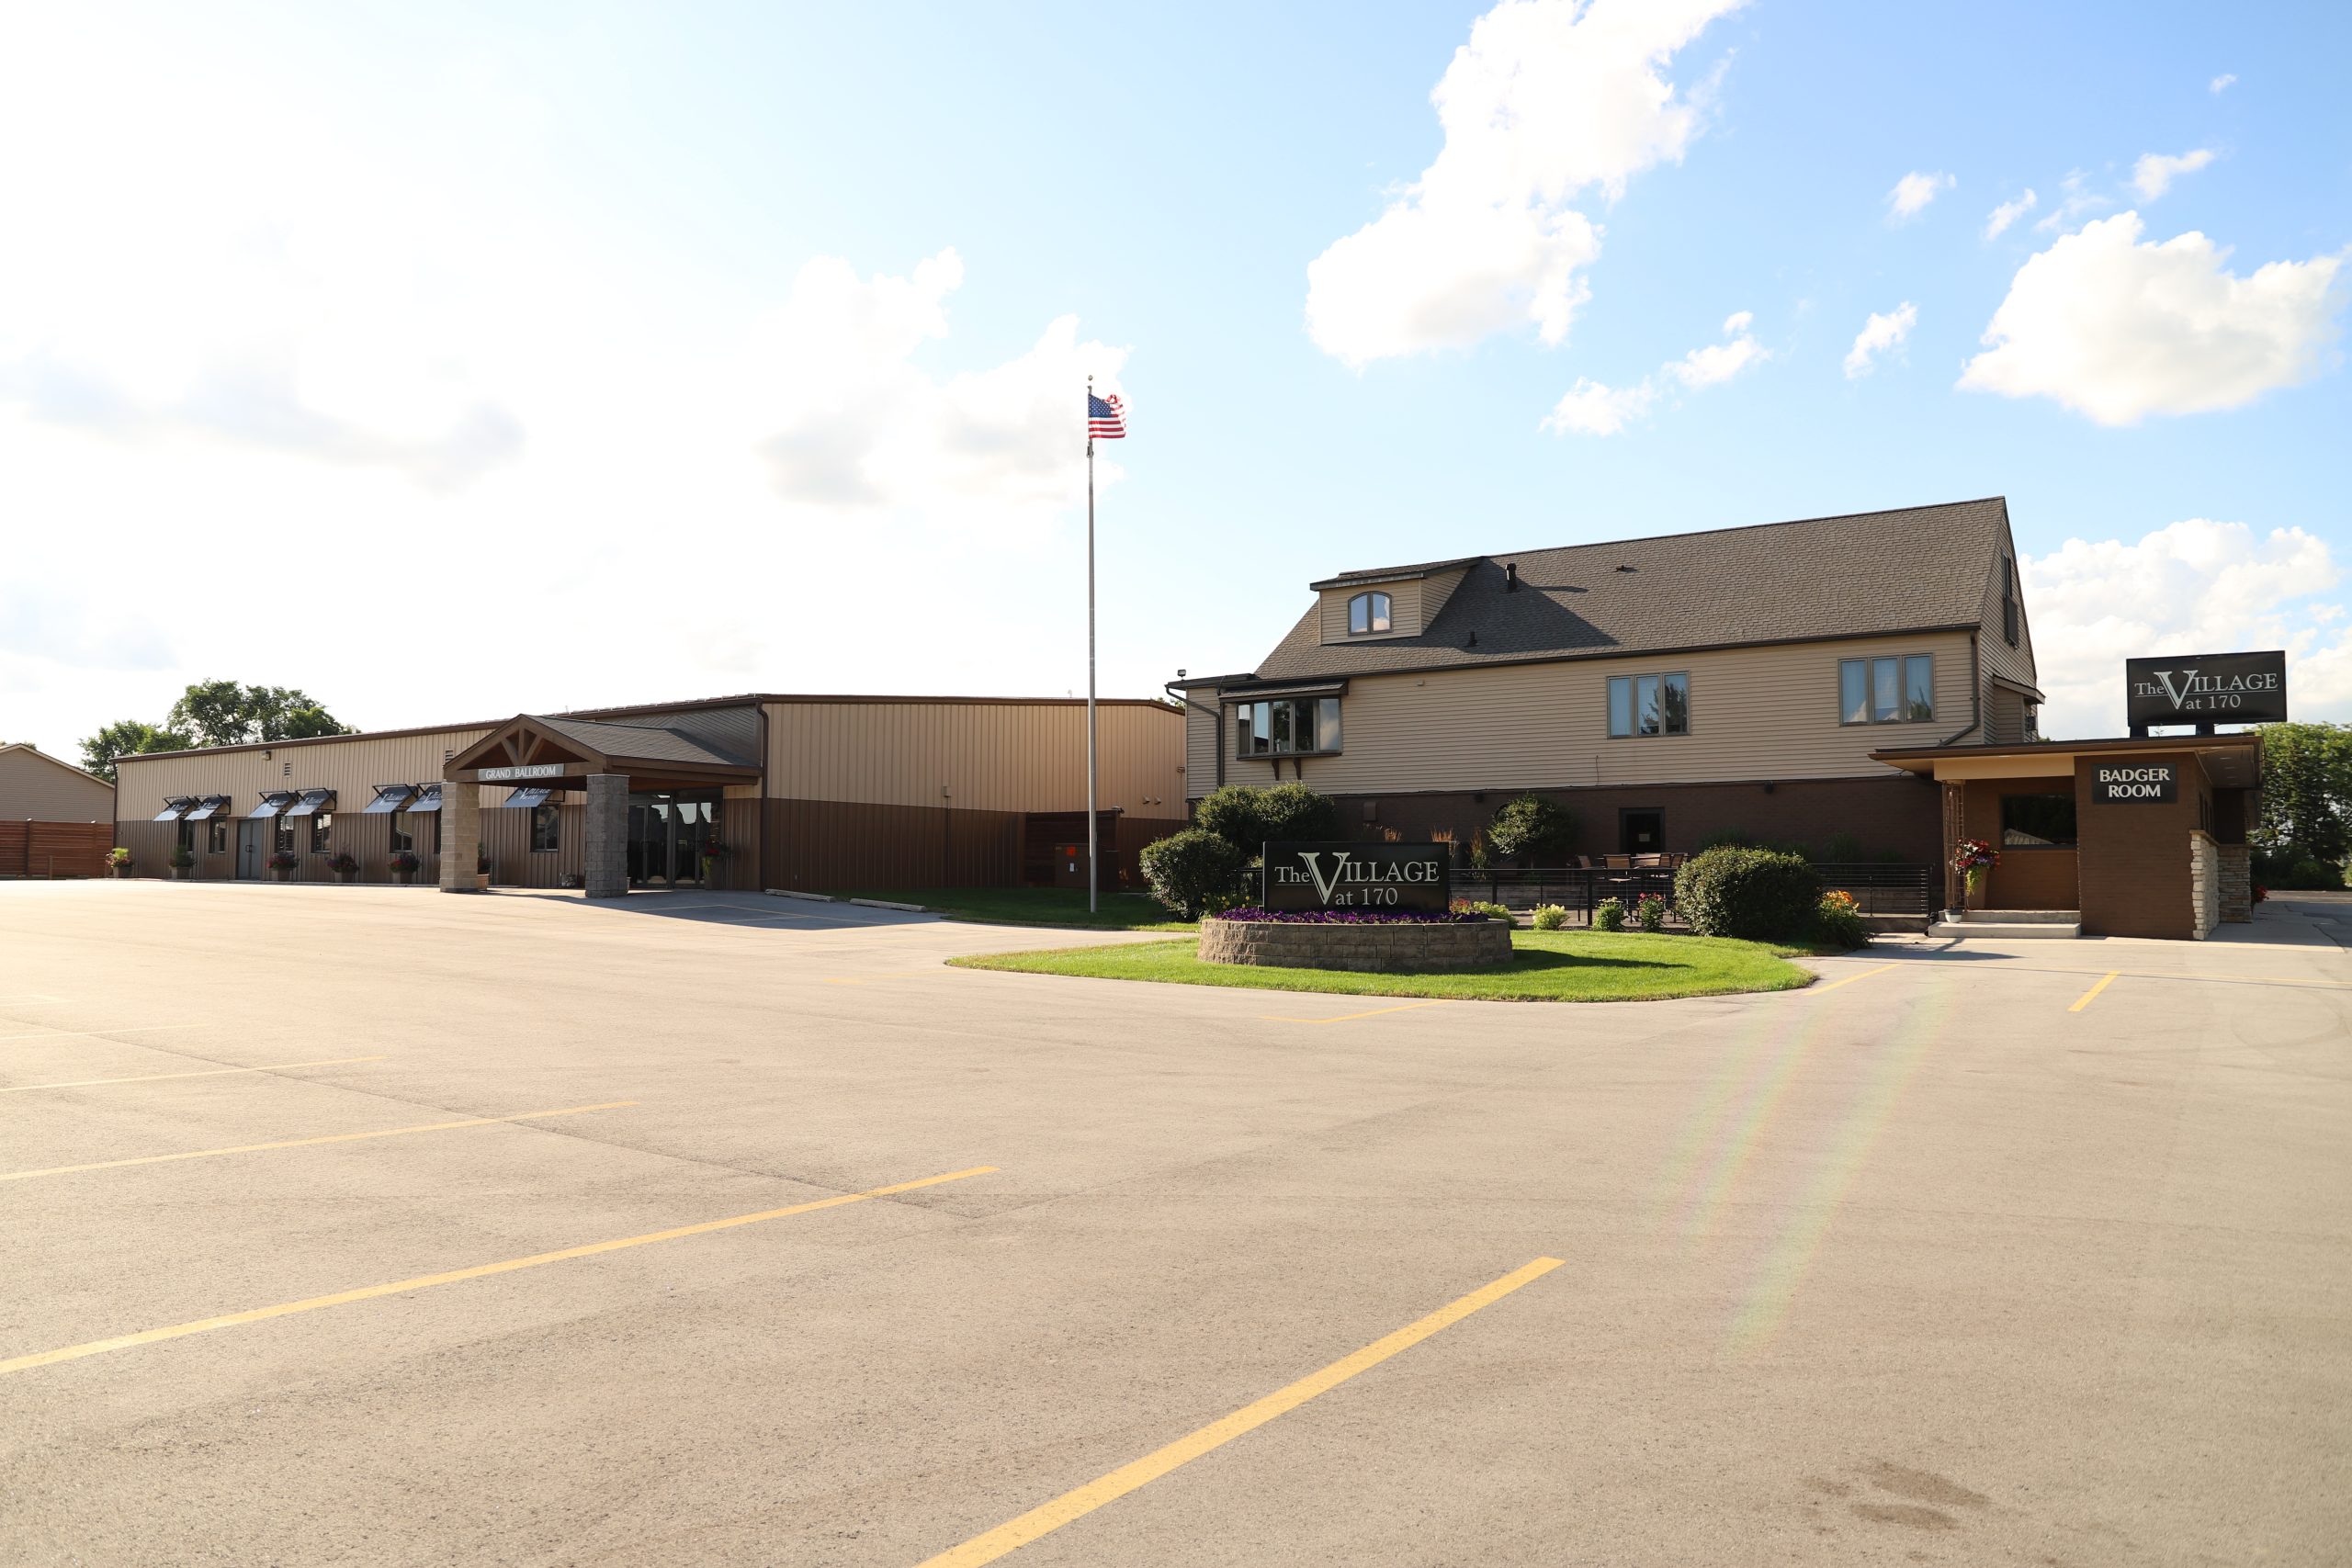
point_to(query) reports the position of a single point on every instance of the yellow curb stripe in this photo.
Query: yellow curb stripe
(1016, 1533)
(308, 1143)
(207, 1073)
(1346, 1017)
(1817, 990)
(481, 1270)
(2092, 995)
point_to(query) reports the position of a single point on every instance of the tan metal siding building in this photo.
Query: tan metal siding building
(55, 819)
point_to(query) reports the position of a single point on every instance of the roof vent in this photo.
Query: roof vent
(1623, 567)
(1511, 577)
(1474, 638)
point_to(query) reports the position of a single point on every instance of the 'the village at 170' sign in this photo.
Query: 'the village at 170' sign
(2207, 688)
(1358, 877)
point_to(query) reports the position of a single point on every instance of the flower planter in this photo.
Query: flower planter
(283, 873)
(405, 878)
(347, 877)
(481, 882)
(118, 869)
(183, 874)
(1385, 947)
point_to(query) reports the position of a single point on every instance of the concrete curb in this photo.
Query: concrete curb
(886, 904)
(812, 897)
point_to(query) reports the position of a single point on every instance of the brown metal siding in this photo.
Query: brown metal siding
(833, 845)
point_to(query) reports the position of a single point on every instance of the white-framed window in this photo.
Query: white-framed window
(1286, 726)
(1892, 689)
(1649, 704)
(1367, 614)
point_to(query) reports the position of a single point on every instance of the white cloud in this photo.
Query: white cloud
(1880, 334)
(2007, 213)
(1591, 408)
(1912, 192)
(852, 421)
(1548, 99)
(2194, 586)
(2073, 201)
(2221, 84)
(2154, 174)
(2119, 330)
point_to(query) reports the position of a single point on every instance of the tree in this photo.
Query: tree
(1531, 828)
(2306, 792)
(129, 738)
(222, 712)
(1249, 817)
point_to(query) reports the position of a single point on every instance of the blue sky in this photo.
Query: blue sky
(450, 364)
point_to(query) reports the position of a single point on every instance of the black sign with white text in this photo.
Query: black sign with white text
(2129, 784)
(2206, 688)
(1359, 876)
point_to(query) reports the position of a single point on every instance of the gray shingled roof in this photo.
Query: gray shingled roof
(638, 742)
(1825, 577)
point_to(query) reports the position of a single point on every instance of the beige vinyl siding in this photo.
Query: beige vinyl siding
(1403, 610)
(1755, 713)
(36, 787)
(987, 756)
(352, 768)
(1436, 589)
(1202, 734)
(2000, 659)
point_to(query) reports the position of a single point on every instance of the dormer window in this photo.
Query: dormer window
(1367, 614)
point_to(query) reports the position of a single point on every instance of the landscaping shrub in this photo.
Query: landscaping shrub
(1481, 909)
(1761, 895)
(1649, 913)
(1193, 870)
(1550, 916)
(1608, 915)
(2290, 870)
(1837, 919)
(1532, 827)
(1249, 818)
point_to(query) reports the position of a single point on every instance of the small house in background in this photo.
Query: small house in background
(55, 819)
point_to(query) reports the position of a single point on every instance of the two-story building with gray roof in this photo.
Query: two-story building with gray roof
(1669, 691)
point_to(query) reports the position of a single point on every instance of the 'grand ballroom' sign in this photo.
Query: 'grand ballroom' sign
(1359, 876)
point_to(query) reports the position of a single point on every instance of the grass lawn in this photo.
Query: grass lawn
(1037, 906)
(1545, 967)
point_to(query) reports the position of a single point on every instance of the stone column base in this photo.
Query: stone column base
(606, 865)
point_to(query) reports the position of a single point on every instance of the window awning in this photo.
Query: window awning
(175, 807)
(534, 797)
(211, 805)
(427, 799)
(273, 801)
(388, 798)
(313, 801)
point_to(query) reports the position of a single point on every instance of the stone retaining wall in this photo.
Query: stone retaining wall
(1384, 946)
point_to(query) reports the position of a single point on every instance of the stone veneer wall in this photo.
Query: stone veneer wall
(1383, 946)
(2237, 883)
(2204, 882)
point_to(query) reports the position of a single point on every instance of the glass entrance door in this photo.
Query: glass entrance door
(666, 832)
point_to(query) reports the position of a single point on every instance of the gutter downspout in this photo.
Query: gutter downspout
(1975, 695)
(1216, 729)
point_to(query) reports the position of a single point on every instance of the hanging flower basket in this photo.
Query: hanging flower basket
(1974, 860)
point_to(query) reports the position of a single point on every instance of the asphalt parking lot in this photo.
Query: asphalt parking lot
(369, 1226)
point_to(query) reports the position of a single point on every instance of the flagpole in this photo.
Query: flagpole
(1092, 848)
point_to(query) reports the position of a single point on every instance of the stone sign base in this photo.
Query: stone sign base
(1384, 946)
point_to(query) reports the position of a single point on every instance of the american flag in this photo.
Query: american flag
(1105, 418)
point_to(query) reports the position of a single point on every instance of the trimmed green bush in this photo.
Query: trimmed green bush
(1531, 828)
(1550, 916)
(1250, 818)
(1838, 920)
(1758, 895)
(1608, 915)
(1193, 871)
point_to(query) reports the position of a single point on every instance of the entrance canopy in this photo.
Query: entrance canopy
(2231, 762)
(559, 753)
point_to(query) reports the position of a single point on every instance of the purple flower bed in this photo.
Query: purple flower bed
(1347, 916)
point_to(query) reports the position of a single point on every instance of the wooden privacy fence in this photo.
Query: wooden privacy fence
(57, 849)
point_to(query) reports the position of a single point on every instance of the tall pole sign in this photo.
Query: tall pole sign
(2206, 689)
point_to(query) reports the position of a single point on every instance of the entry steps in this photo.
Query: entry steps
(2009, 925)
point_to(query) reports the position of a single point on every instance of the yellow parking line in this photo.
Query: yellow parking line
(86, 1033)
(1817, 990)
(207, 1073)
(1016, 1533)
(306, 1142)
(2088, 996)
(1346, 1017)
(480, 1270)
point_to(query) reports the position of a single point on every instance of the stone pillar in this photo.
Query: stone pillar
(2204, 884)
(607, 848)
(460, 836)
(2237, 884)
